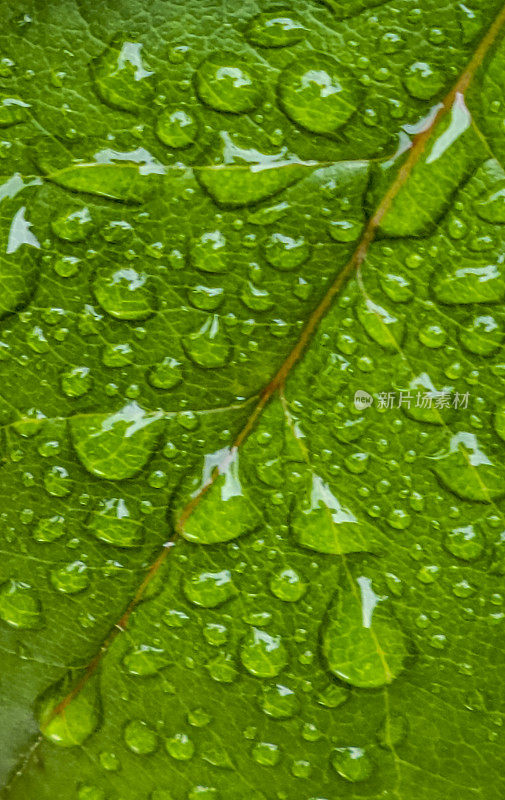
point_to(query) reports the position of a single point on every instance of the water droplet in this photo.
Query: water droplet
(57, 482)
(209, 346)
(19, 604)
(12, 111)
(121, 78)
(279, 702)
(206, 298)
(362, 642)
(109, 761)
(423, 81)
(87, 792)
(76, 382)
(49, 528)
(112, 522)
(117, 445)
(351, 763)
(482, 336)
(381, 325)
(243, 175)
(73, 225)
(227, 83)
(333, 696)
(180, 747)
(345, 230)
(285, 252)
(275, 29)
(466, 543)
(262, 654)
(468, 283)
(468, 472)
(144, 660)
(125, 293)
(287, 585)
(266, 754)
(224, 511)
(209, 589)
(70, 578)
(491, 207)
(73, 724)
(140, 738)
(316, 92)
(222, 668)
(177, 127)
(18, 267)
(165, 375)
(323, 523)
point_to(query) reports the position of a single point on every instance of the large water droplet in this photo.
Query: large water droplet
(121, 78)
(287, 585)
(468, 472)
(351, 763)
(362, 642)
(323, 523)
(224, 511)
(469, 283)
(117, 445)
(140, 738)
(317, 93)
(165, 375)
(18, 265)
(209, 589)
(12, 111)
(73, 225)
(65, 719)
(124, 293)
(227, 83)
(262, 654)
(241, 174)
(275, 29)
(112, 522)
(177, 127)
(482, 336)
(180, 747)
(286, 252)
(381, 324)
(279, 702)
(70, 578)
(423, 81)
(209, 346)
(19, 604)
(144, 660)
(466, 542)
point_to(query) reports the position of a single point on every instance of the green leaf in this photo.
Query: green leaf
(252, 411)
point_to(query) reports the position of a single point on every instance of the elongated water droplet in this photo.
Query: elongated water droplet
(362, 642)
(68, 721)
(117, 445)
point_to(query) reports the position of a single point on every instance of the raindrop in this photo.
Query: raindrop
(209, 589)
(19, 604)
(227, 83)
(112, 522)
(262, 654)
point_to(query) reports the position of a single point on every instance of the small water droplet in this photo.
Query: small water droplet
(140, 738)
(262, 654)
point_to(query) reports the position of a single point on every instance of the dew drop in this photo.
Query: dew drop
(73, 225)
(288, 585)
(423, 81)
(279, 702)
(262, 654)
(112, 522)
(121, 78)
(482, 336)
(209, 252)
(351, 763)
(275, 29)
(266, 754)
(180, 747)
(76, 381)
(381, 325)
(208, 347)
(140, 738)
(145, 660)
(227, 83)
(79, 719)
(125, 293)
(466, 470)
(116, 446)
(19, 604)
(70, 578)
(167, 374)
(209, 589)
(177, 127)
(49, 528)
(466, 543)
(362, 642)
(286, 252)
(316, 92)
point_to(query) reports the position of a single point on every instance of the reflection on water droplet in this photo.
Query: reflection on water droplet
(144, 660)
(117, 445)
(73, 225)
(317, 93)
(70, 578)
(275, 29)
(19, 604)
(285, 252)
(266, 754)
(225, 511)
(80, 717)
(112, 522)
(121, 78)
(227, 83)
(351, 763)
(362, 642)
(165, 375)
(140, 738)
(287, 585)
(124, 293)
(209, 346)
(180, 747)
(177, 127)
(466, 470)
(279, 702)
(323, 523)
(466, 543)
(262, 654)
(209, 589)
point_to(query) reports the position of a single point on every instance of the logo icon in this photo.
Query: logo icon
(362, 400)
